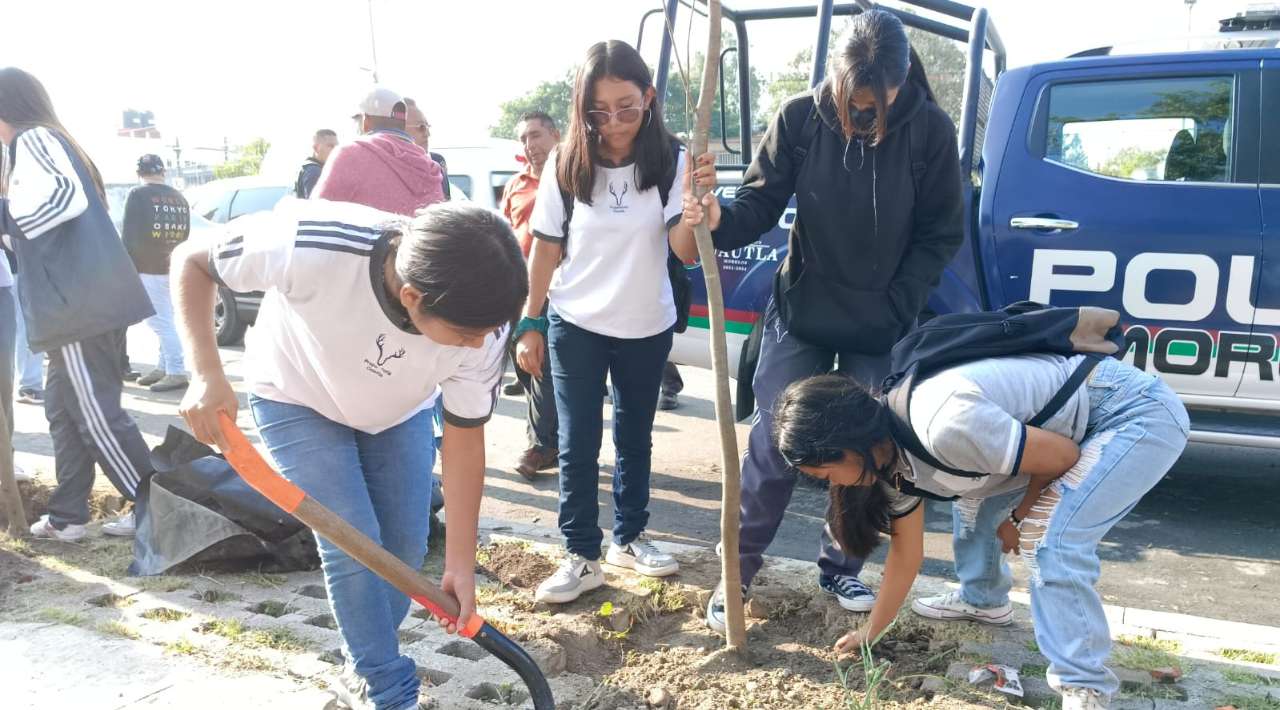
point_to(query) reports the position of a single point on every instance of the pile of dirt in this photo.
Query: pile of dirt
(15, 570)
(35, 502)
(514, 565)
(664, 651)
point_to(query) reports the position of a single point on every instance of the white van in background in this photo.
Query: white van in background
(480, 169)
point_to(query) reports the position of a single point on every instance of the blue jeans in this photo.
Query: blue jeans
(170, 360)
(381, 485)
(580, 361)
(1137, 429)
(767, 480)
(30, 365)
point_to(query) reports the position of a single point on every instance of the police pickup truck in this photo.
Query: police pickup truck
(1140, 181)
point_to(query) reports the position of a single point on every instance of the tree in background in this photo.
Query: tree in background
(944, 63)
(674, 104)
(1133, 163)
(553, 97)
(249, 162)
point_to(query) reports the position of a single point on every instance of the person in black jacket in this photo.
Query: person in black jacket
(157, 219)
(322, 145)
(78, 290)
(872, 161)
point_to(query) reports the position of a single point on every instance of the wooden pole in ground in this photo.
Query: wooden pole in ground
(8, 482)
(731, 487)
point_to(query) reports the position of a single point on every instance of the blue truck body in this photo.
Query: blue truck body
(1146, 183)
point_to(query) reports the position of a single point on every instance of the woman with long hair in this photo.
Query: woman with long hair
(606, 214)
(78, 292)
(871, 160)
(1049, 493)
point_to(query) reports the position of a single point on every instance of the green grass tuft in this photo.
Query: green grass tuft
(56, 615)
(164, 614)
(1247, 656)
(1243, 677)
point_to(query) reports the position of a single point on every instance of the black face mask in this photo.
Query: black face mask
(864, 120)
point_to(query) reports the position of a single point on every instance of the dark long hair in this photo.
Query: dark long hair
(466, 262)
(877, 56)
(817, 420)
(24, 104)
(576, 161)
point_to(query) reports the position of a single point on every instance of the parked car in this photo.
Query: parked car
(217, 203)
(480, 170)
(1148, 183)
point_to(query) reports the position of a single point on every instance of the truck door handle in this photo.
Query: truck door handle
(1043, 223)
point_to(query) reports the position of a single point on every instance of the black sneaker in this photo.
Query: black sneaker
(514, 389)
(848, 590)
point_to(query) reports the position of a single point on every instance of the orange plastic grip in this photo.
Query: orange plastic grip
(255, 470)
(473, 624)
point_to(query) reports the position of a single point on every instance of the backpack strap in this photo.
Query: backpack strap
(898, 400)
(1068, 390)
(918, 147)
(808, 132)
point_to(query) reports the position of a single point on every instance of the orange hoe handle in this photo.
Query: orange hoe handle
(293, 500)
(259, 474)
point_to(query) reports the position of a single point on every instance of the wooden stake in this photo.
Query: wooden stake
(731, 486)
(9, 483)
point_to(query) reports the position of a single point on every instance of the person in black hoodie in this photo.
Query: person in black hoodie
(78, 290)
(872, 161)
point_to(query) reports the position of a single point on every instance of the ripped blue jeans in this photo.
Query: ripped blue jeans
(1137, 430)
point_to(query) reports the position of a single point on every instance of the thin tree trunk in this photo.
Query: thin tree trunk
(731, 489)
(8, 483)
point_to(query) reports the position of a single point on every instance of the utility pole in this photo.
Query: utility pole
(373, 43)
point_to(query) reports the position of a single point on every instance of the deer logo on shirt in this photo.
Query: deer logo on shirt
(379, 367)
(618, 205)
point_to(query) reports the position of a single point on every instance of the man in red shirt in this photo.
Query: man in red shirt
(538, 134)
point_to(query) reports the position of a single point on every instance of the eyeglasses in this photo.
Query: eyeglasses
(600, 119)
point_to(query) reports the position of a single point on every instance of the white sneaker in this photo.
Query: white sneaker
(642, 556)
(44, 529)
(20, 474)
(350, 690)
(576, 575)
(950, 606)
(123, 526)
(1084, 699)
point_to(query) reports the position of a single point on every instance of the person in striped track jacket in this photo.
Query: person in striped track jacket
(78, 292)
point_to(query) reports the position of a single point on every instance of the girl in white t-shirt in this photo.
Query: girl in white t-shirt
(366, 320)
(603, 231)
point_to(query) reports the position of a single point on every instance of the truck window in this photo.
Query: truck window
(461, 182)
(1176, 129)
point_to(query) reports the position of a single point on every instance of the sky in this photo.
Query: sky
(279, 69)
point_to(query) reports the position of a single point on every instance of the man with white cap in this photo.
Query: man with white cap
(383, 168)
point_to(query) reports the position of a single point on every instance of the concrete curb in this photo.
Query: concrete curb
(1126, 620)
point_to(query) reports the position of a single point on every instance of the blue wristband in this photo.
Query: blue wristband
(527, 324)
